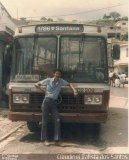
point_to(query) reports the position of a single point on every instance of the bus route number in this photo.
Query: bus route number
(86, 90)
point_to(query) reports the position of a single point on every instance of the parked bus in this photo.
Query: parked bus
(80, 51)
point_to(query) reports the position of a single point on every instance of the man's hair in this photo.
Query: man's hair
(57, 70)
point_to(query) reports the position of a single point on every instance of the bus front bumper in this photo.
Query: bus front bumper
(100, 117)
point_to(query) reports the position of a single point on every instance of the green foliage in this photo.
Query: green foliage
(50, 19)
(114, 15)
(108, 20)
(23, 18)
(106, 16)
(43, 19)
(103, 22)
(124, 18)
(125, 37)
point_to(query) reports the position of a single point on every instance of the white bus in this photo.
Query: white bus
(80, 51)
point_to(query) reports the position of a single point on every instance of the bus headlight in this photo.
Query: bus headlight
(97, 99)
(17, 98)
(20, 98)
(93, 99)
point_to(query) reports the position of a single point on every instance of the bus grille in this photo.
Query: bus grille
(37, 98)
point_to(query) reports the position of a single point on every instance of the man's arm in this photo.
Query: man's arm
(39, 86)
(73, 89)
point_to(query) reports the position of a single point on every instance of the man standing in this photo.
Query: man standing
(122, 78)
(53, 87)
(110, 77)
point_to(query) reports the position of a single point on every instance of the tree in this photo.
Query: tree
(125, 37)
(50, 19)
(106, 16)
(125, 18)
(23, 19)
(115, 15)
(43, 19)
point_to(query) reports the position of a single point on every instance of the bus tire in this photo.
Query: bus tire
(33, 126)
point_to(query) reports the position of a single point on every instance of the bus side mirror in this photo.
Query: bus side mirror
(116, 52)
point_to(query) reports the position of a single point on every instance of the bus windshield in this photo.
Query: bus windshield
(82, 59)
(34, 58)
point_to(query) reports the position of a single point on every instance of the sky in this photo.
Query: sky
(65, 9)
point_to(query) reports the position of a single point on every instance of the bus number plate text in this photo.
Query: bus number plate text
(86, 90)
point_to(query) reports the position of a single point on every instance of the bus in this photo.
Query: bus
(80, 51)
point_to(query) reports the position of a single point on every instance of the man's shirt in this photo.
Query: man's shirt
(53, 88)
(122, 77)
(110, 74)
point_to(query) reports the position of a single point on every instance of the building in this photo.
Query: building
(115, 34)
(118, 30)
(6, 23)
(121, 65)
(112, 32)
(7, 28)
(121, 25)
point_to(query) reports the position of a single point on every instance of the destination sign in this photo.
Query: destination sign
(27, 77)
(59, 28)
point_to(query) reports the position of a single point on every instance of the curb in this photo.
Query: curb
(11, 132)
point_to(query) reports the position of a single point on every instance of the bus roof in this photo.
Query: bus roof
(60, 28)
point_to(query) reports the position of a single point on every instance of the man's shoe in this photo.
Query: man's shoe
(46, 143)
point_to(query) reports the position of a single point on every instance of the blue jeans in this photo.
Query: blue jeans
(49, 106)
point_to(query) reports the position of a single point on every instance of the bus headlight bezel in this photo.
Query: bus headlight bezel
(21, 98)
(93, 99)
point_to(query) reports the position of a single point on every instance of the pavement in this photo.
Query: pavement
(126, 85)
(7, 127)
